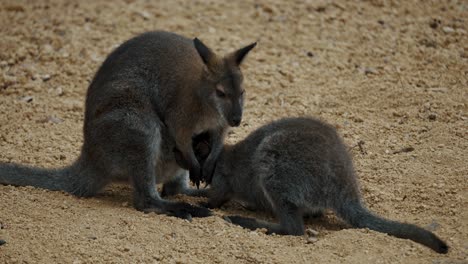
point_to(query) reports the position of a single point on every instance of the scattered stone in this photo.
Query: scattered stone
(432, 116)
(311, 240)
(434, 23)
(144, 14)
(321, 9)
(311, 235)
(267, 9)
(2, 242)
(370, 70)
(428, 43)
(53, 119)
(448, 29)
(406, 149)
(45, 77)
(126, 249)
(357, 119)
(312, 232)
(59, 91)
(26, 99)
(310, 54)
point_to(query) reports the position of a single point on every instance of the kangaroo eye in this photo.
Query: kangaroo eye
(242, 92)
(220, 91)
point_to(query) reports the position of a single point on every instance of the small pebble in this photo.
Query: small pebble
(311, 240)
(312, 232)
(370, 70)
(2, 242)
(59, 91)
(53, 119)
(45, 77)
(434, 23)
(26, 99)
(145, 15)
(448, 29)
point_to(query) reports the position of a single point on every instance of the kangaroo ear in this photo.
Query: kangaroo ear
(239, 55)
(205, 53)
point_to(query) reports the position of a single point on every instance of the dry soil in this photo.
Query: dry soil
(392, 76)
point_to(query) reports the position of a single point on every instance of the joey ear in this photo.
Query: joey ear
(205, 53)
(239, 55)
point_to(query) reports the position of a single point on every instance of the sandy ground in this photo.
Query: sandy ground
(390, 74)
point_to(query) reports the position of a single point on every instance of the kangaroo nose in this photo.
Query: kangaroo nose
(236, 121)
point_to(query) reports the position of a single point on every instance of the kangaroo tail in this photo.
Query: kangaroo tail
(358, 216)
(70, 179)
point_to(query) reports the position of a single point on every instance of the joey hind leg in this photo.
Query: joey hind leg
(290, 220)
(284, 204)
(218, 194)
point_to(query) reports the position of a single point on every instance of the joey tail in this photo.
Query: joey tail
(73, 179)
(360, 217)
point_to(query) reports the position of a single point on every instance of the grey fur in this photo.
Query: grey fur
(151, 95)
(298, 166)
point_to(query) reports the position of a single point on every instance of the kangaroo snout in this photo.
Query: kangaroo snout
(235, 121)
